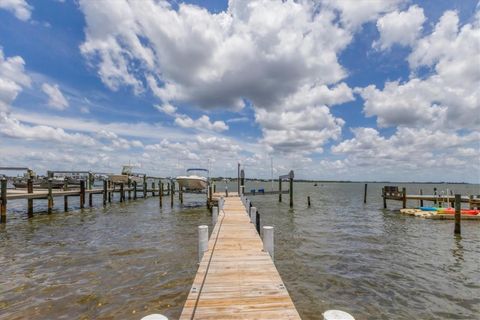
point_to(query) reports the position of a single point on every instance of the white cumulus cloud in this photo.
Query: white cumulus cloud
(20, 8)
(12, 79)
(400, 27)
(56, 99)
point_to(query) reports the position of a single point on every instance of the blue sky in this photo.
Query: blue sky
(348, 90)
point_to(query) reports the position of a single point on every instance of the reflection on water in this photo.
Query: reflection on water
(128, 260)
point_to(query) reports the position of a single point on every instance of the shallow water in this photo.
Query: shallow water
(128, 260)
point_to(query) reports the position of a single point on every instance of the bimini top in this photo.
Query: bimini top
(197, 169)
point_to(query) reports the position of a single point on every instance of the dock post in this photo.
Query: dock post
(268, 240)
(279, 189)
(242, 181)
(30, 201)
(214, 215)
(435, 194)
(202, 241)
(221, 201)
(257, 222)
(144, 186)
(421, 200)
(253, 215)
(404, 198)
(365, 193)
(50, 196)
(210, 194)
(90, 199)
(470, 202)
(291, 189)
(214, 188)
(3, 200)
(226, 191)
(105, 192)
(308, 201)
(65, 198)
(384, 196)
(134, 190)
(82, 194)
(129, 185)
(121, 192)
(247, 206)
(160, 193)
(153, 189)
(172, 186)
(180, 194)
(109, 192)
(91, 181)
(238, 179)
(458, 215)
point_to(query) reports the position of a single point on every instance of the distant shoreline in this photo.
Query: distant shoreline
(350, 181)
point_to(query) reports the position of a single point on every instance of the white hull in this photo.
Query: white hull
(192, 183)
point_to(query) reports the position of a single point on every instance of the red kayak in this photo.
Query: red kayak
(463, 211)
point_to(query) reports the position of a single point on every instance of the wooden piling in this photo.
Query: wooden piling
(122, 194)
(404, 198)
(279, 189)
(109, 192)
(470, 203)
(365, 193)
(384, 195)
(129, 185)
(82, 194)
(421, 200)
(257, 222)
(144, 187)
(134, 190)
(171, 194)
(168, 188)
(210, 195)
(308, 201)
(458, 216)
(90, 199)
(105, 186)
(30, 201)
(65, 198)
(435, 193)
(160, 194)
(242, 181)
(291, 191)
(180, 194)
(3, 201)
(50, 196)
(214, 188)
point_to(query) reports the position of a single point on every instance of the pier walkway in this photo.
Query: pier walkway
(236, 279)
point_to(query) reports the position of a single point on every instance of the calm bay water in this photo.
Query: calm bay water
(128, 260)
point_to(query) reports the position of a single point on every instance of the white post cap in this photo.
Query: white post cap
(155, 316)
(337, 315)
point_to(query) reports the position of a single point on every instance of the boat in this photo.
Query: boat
(193, 182)
(126, 175)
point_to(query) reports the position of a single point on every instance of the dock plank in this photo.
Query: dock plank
(236, 279)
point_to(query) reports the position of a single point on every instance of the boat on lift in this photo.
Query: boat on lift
(126, 174)
(192, 181)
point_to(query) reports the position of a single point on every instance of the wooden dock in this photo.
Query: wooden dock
(236, 279)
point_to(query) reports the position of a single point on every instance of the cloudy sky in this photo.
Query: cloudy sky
(345, 90)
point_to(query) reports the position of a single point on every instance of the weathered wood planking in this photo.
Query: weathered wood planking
(236, 279)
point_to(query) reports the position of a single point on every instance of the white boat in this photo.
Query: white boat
(193, 182)
(125, 175)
